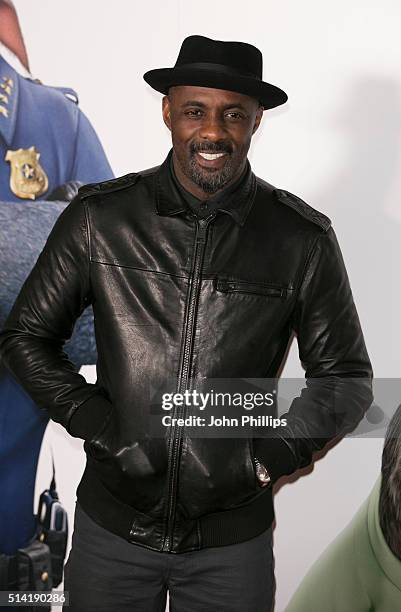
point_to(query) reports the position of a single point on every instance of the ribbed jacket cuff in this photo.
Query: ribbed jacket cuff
(276, 456)
(89, 418)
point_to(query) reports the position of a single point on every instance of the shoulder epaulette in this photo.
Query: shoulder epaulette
(303, 208)
(69, 93)
(111, 185)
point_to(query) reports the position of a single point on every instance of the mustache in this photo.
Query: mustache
(210, 147)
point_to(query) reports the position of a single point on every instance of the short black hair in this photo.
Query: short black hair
(390, 490)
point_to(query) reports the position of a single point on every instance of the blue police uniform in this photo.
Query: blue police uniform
(45, 141)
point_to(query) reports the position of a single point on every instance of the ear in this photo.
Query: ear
(258, 118)
(166, 111)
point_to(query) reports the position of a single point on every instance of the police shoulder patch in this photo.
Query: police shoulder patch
(111, 185)
(303, 208)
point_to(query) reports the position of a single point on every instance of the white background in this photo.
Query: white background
(336, 143)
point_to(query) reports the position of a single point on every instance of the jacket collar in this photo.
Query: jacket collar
(169, 201)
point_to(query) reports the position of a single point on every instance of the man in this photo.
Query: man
(196, 270)
(361, 569)
(47, 146)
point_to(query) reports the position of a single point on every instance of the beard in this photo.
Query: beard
(211, 180)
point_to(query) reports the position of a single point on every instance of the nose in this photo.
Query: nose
(212, 128)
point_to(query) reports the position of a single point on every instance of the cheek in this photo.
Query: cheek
(239, 135)
(182, 129)
(180, 147)
(243, 141)
(181, 136)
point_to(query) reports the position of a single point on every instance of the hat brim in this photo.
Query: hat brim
(269, 96)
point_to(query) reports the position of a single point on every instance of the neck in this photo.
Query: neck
(193, 188)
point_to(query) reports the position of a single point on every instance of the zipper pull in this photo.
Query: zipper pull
(202, 227)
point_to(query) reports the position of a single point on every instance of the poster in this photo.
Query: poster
(335, 144)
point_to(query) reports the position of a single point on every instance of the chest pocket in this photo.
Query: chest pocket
(263, 289)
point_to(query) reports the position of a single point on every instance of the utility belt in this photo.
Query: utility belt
(39, 565)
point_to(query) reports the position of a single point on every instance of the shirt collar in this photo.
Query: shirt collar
(236, 200)
(14, 61)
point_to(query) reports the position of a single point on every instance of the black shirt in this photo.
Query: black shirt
(203, 208)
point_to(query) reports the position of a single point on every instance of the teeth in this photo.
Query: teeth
(211, 156)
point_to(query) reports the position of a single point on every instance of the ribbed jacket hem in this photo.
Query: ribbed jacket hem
(215, 529)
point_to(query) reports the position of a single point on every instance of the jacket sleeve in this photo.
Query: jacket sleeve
(42, 319)
(338, 388)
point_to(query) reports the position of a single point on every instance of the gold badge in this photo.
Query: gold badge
(27, 179)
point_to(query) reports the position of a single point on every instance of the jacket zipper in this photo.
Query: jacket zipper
(176, 436)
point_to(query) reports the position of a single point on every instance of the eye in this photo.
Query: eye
(193, 112)
(234, 115)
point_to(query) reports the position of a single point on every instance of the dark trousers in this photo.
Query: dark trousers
(105, 573)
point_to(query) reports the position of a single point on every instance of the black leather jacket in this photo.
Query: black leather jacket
(177, 297)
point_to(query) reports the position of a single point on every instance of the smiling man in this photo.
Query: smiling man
(196, 270)
(211, 132)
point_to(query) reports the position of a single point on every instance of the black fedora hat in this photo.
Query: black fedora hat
(204, 62)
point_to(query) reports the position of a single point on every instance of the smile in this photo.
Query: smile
(211, 156)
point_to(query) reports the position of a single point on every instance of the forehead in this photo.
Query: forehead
(209, 96)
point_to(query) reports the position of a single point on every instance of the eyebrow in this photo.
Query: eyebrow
(203, 105)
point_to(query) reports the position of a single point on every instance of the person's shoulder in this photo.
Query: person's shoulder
(119, 183)
(296, 204)
(302, 208)
(50, 93)
(109, 186)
